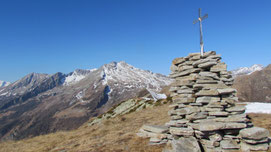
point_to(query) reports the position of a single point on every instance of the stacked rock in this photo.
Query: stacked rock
(157, 134)
(204, 114)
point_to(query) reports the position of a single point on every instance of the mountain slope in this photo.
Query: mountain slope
(4, 83)
(40, 103)
(255, 87)
(246, 70)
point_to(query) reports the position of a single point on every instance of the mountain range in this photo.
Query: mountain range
(247, 70)
(42, 103)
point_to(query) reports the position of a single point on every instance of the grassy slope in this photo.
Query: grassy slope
(117, 134)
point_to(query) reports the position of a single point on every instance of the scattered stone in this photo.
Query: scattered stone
(155, 128)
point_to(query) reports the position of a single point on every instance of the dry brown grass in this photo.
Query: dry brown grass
(118, 134)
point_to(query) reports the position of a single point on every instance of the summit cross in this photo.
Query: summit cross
(200, 28)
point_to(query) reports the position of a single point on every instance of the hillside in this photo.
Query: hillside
(115, 134)
(255, 87)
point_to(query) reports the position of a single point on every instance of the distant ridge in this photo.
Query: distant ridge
(246, 70)
(4, 83)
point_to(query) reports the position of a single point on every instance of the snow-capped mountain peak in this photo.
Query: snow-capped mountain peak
(121, 72)
(247, 70)
(4, 83)
(76, 76)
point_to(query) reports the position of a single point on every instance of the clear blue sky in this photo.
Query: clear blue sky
(62, 35)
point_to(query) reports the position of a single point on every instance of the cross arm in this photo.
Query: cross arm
(195, 21)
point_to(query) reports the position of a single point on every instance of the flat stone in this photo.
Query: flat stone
(227, 80)
(146, 134)
(185, 67)
(208, 143)
(196, 116)
(183, 100)
(258, 147)
(195, 104)
(218, 113)
(254, 133)
(207, 99)
(229, 101)
(250, 141)
(206, 82)
(233, 118)
(187, 110)
(211, 109)
(192, 77)
(182, 121)
(196, 63)
(186, 72)
(226, 91)
(209, 74)
(209, 53)
(186, 144)
(207, 64)
(173, 123)
(207, 93)
(155, 140)
(218, 56)
(181, 131)
(210, 86)
(186, 91)
(229, 144)
(237, 108)
(178, 61)
(184, 83)
(216, 104)
(176, 117)
(210, 126)
(233, 125)
(155, 128)
(195, 58)
(219, 67)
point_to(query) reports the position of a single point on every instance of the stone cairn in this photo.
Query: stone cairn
(204, 114)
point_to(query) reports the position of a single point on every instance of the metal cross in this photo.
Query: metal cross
(200, 28)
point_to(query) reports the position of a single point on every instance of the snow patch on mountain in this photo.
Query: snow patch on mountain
(76, 76)
(4, 83)
(247, 70)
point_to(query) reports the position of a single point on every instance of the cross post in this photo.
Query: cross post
(200, 28)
